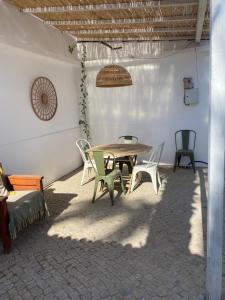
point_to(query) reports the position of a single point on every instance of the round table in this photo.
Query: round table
(121, 150)
(126, 152)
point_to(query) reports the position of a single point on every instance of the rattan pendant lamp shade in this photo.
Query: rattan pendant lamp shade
(113, 76)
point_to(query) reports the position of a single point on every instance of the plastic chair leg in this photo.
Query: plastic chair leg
(111, 192)
(89, 172)
(133, 179)
(154, 180)
(95, 190)
(122, 185)
(159, 179)
(83, 175)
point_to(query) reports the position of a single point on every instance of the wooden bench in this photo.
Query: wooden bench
(16, 183)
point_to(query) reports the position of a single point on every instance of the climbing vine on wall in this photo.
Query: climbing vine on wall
(83, 122)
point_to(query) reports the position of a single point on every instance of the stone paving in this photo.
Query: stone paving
(146, 246)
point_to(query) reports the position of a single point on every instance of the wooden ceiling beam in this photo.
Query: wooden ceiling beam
(202, 6)
(107, 7)
(135, 30)
(136, 39)
(147, 21)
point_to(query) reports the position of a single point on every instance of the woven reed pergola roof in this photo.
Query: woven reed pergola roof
(124, 20)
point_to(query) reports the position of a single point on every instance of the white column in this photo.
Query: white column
(216, 151)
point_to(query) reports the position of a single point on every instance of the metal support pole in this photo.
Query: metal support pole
(216, 151)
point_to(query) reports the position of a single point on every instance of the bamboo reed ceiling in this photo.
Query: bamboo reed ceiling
(123, 20)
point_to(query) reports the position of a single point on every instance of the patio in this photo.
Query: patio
(120, 87)
(145, 247)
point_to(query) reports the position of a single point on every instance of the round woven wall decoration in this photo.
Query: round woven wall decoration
(43, 98)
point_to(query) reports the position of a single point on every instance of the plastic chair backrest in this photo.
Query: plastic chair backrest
(98, 157)
(156, 154)
(186, 139)
(128, 139)
(83, 145)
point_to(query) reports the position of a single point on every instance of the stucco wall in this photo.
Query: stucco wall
(152, 108)
(29, 49)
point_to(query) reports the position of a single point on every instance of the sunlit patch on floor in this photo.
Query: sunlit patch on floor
(146, 246)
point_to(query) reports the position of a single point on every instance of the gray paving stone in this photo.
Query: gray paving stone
(145, 247)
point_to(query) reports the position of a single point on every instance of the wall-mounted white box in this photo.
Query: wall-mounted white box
(190, 96)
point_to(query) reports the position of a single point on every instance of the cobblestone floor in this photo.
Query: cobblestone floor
(146, 246)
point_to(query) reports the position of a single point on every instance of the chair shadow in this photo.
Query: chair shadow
(163, 266)
(105, 191)
(57, 202)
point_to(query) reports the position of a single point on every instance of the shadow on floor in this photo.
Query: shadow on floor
(168, 263)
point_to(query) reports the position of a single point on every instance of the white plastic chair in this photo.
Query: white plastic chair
(84, 145)
(151, 167)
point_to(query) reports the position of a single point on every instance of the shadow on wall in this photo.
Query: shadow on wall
(168, 263)
(152, 108)
(21, 30)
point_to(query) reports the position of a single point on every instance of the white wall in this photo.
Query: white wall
(153, 107)
(29, 49)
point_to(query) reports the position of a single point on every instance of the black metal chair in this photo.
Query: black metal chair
(126, 139)
(187, 146)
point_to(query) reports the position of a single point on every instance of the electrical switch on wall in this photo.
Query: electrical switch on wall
(190, 93)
